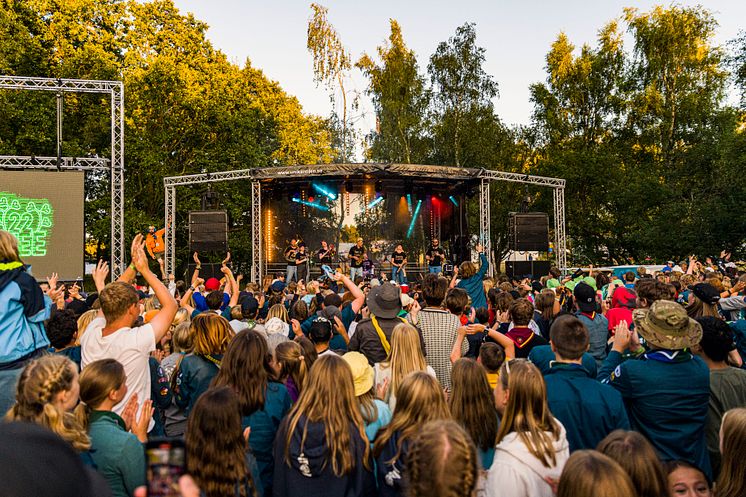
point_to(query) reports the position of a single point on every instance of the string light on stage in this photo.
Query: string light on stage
(268, 237)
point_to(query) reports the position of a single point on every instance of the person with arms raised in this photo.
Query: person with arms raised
(112, 336)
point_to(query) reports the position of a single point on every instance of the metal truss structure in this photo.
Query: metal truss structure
(265, 174)
(116, 164)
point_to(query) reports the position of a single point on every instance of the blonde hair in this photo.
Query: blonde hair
(97, 381)
(40, 381)
(732, 479)
(329, 398)
(591, 474)
(527, 412)
(182, 338)
(116, 298)
(289, 356)
(181, 316)
(278, 311)
(419, 399)
(441, 462)
(8, 247)
(83, 321)
(467, 269)
(212, 334)
(312, 287)
(406, 354)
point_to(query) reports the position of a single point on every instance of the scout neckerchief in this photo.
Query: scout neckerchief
(381, 334)
(669, 356)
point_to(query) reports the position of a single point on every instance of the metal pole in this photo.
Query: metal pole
(257, 259)
(59, 129)
(170, 235)
(117, 181)
(484, 221)
(560, 238)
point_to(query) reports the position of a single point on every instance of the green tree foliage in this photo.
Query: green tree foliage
(400, 99)
(188, 109)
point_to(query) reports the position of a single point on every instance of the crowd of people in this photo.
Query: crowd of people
(571, 385)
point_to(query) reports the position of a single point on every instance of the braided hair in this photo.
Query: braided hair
(39, 384)
(442, 462)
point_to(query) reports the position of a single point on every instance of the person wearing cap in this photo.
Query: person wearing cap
(623, 301)
(727, 384)
(598, 326)
(373, 335)
(703, 301)
(249, 313)
(376, 413)
(667, 389)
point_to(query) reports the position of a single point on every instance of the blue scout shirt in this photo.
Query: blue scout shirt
(666, 394)
(119, 456)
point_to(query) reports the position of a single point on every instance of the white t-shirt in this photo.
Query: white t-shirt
(131, 347)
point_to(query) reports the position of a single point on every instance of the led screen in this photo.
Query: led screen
(44, 210)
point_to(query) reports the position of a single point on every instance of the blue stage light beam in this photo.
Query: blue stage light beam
(450, 197)
(414, 218)
(311, 204)
(375, 202)
(324, 191)
(409, 202)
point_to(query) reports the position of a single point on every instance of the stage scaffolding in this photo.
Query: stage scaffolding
(115, 165)
(256, 175)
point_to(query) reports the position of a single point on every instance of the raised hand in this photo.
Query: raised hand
(100, 274)
(52, 281)
(139, 259)
(140, 427)
(622, 337)
(195, 256)
(227, 258)
(136, 242)
(382, 389)
(129, 411)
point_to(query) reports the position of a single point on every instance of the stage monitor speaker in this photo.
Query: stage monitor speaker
(208, 231)
(207, 271)
(528, 231)
(534, 269)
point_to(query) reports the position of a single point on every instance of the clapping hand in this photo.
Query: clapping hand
(622, 337)
(100, 274)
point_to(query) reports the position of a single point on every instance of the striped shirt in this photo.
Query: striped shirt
(439, 330)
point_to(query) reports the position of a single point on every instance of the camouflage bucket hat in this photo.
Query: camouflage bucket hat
(667, 326)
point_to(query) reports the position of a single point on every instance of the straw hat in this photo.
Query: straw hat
(362, 372)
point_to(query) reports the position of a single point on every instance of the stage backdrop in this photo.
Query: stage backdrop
(44, 210)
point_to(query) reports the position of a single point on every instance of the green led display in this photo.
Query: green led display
(30, 220)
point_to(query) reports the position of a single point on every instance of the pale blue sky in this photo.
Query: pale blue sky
(515, 34)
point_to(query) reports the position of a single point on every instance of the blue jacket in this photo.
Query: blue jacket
(542, 357)
(119, 456)
(264, 425)
(666, 394)
(588, 409)
(23, 310)
(474, 286)
(195, 374)
(598, 329)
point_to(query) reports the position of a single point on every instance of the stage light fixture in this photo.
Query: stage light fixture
(375, 202)
(409, 202)
(453, 200)
(348, 186)
(315, 205)
(324, 191)
(414, 218)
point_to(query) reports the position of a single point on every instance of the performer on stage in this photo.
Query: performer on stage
(325, 255)
(435, 256)
(356, 259)
(154, 242)
(292, 270)
(398, 263)
(301, 263)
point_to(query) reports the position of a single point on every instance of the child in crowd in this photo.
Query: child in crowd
(419, 399)
(588, 473)
(686, 479)
(290, 367)
(472, 404)
(321, 448)
(532, 445)
(217, 453)
(263, 402)
(732, 479)
(442, 462)
(639, 460)
(118, 454)
(491, 357)
(376, 413)
(62, 330)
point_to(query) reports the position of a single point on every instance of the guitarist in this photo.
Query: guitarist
(398, 264)
(292, 268)
(356, 259)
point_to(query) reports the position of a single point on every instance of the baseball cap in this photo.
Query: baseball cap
(212, 284)
(585, 296)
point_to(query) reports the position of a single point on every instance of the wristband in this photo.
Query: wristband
(198, 268)
(132, 266)
(191, 288)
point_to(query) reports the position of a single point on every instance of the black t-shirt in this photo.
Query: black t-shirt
(367, 266)
(290, 255)
(356, 251)
(436, 256)
(324, 256)
(398, 257)
(299, 256)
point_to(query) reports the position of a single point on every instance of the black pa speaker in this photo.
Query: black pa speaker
(528, 231)
(535, 269)
(208, 231)
(207, 271)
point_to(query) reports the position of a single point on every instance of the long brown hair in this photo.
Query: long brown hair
(472, 403)
(419, 399)
(40, 381)
(545, 304)
(527, 412)
(406, 354)
(216, 448)
(637, 456)
(591, 474)
(289, 356)
(246, 368)
(329, 398)
(442, 462)
(212, 334)
(732, 479)
(97, 381)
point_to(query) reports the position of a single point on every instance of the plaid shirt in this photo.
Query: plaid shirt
(439, 329)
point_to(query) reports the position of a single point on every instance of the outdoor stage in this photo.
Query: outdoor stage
(421, 182)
